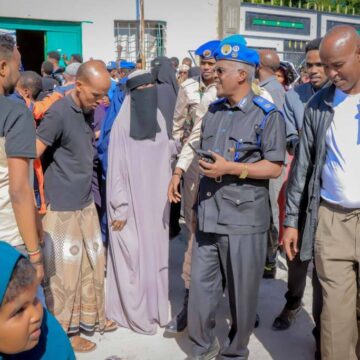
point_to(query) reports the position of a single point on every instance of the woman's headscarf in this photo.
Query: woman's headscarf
(165, 78)
(8, 260)
(53, 342)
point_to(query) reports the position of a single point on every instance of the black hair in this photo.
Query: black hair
(313, 45)
(187, 59)
(288, 72)
(77, 58)
(22, 277)
(139, 61)
(32, 81)
(47, 67)
(7, 45)
(175, 61)
(54, 55)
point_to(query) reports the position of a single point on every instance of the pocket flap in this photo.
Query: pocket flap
(238, 196)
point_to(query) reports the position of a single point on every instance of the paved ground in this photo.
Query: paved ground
(295, 344)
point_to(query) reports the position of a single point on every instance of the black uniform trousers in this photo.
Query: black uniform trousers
(240, 260)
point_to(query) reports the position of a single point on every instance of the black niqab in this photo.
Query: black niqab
(143, 109)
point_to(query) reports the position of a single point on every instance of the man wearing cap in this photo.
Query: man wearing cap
(112, 68)
(125, 68)
(192, 103)
(245, 135)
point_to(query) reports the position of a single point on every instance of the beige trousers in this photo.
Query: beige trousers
(337, 257)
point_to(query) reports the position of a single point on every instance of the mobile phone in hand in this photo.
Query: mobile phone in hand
(203, 155)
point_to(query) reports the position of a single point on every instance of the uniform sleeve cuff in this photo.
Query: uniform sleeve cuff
(291, 221)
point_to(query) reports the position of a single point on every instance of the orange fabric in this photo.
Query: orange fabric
(40, 178)
(40, 107)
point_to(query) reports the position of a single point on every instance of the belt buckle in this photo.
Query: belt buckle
(218, 179)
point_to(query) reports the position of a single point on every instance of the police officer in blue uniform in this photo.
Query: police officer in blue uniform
(245, 137)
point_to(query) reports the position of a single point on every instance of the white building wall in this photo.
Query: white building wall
(189, 22)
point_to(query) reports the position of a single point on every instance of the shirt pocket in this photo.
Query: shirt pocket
(207, 140)
(242, 149)
(237, 207)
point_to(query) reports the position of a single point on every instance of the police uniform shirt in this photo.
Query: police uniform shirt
(230, 205)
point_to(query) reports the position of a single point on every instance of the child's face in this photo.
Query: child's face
(20, 322)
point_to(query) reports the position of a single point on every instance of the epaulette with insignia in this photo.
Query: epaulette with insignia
(264, 104)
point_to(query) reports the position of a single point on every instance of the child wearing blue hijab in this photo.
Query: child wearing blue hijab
(27, 331)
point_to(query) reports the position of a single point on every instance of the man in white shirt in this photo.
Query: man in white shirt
(326, 172)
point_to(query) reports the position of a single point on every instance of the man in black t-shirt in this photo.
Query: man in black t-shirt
(74, 285)
(18, 225)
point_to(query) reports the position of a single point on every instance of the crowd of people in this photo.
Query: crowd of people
(98, 161)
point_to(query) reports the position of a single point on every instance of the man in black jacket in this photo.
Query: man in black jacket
(295, 102)
(323, 197)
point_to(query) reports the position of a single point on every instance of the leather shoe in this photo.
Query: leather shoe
(269, 271)
(285, 319)
(179, 322)
(211, 353)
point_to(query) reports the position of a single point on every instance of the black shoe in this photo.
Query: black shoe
(257, 321)
(211, 353)
(285, 319)
(179, 322)
(269, 271)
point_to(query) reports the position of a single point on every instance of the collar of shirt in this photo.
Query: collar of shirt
(268, 80)
(244, 104)
(203, 88)
(72, 103)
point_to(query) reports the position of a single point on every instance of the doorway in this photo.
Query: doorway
(31, 45)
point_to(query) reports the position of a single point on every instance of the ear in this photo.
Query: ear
(3, 68)
(242, 76)
(26, 93)
(78, 85)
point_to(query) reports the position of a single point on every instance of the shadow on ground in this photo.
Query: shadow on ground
(295, 343)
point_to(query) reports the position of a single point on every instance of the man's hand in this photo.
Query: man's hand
(290, 241)
(174, 195)
(219, 168)
(118, 225)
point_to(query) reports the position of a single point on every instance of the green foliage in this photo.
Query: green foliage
(351, 7)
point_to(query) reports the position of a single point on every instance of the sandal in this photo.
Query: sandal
(81, 345)
(110, 325)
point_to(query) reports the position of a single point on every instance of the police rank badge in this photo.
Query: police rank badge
(226, 49)
(207, 53)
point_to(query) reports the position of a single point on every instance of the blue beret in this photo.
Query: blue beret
(235, 38)
(111, 65)
(236, 51)
(206, 51)
(126, 65)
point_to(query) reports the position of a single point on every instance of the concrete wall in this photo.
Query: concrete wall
(189, 22)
